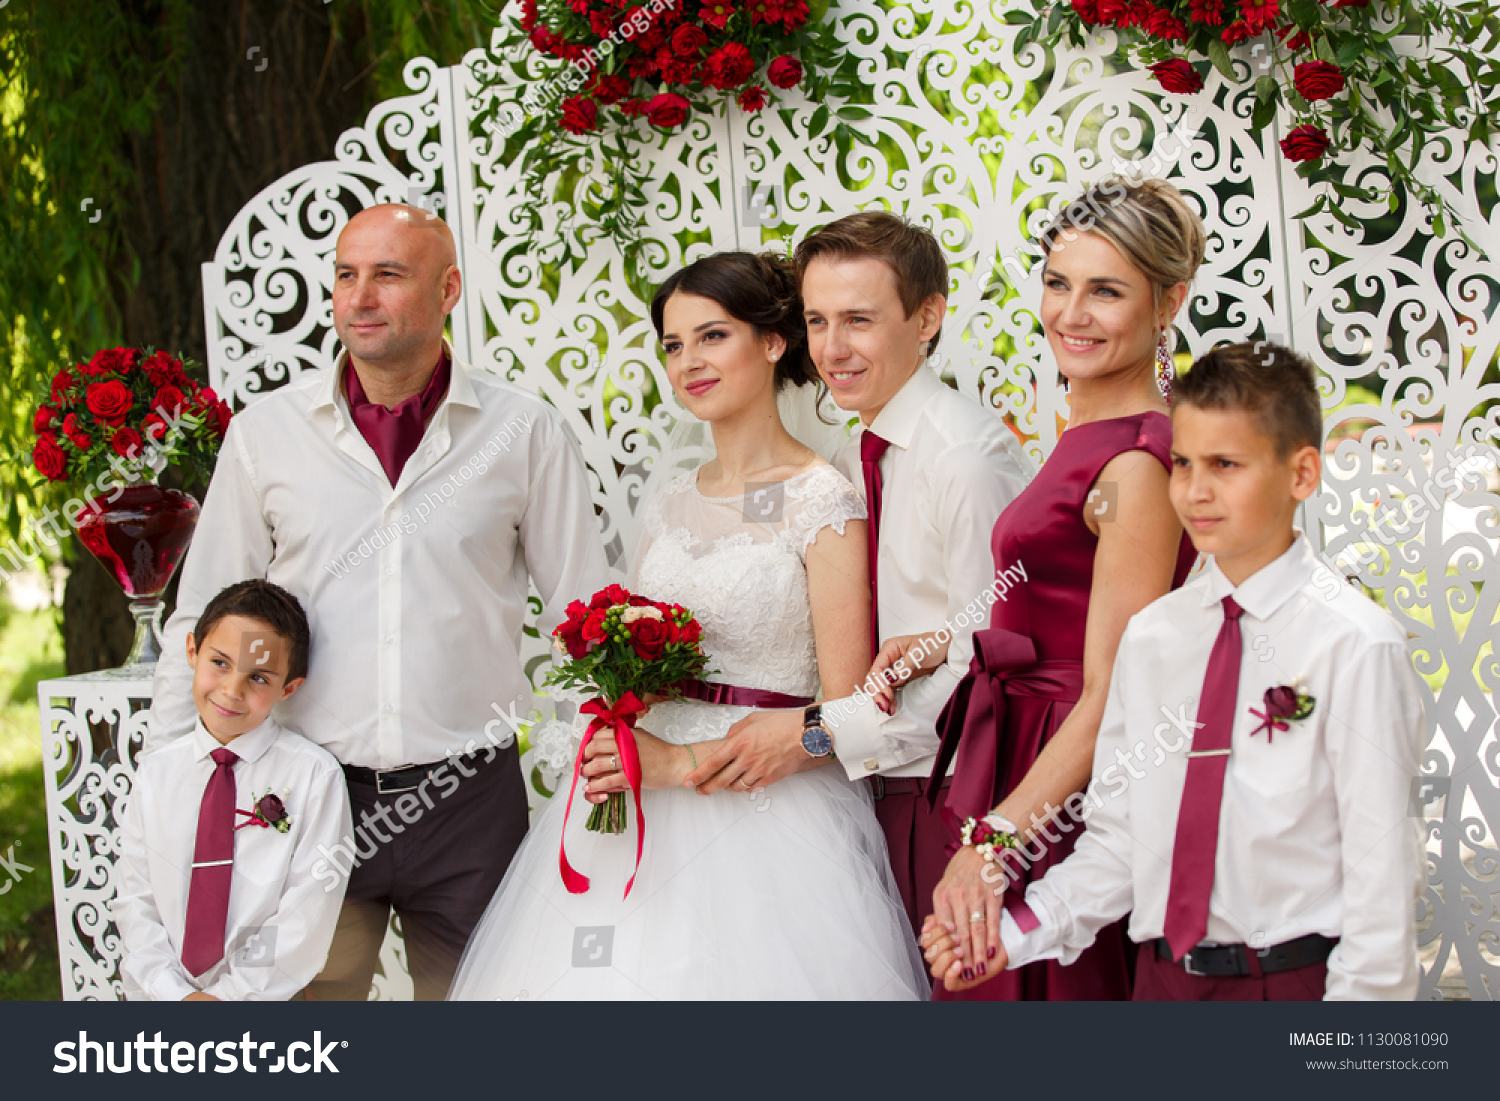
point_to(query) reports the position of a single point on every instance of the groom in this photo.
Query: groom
(937, 469)
(408, 501)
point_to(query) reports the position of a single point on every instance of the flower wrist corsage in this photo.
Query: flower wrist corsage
(988, 834)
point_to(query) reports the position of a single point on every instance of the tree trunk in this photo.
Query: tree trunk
(264, 87)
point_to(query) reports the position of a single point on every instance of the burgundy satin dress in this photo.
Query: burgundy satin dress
(1028, 673)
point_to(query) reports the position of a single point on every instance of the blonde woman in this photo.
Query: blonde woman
(1090, 542)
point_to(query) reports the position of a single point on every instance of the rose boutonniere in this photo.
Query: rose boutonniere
(1285, 704)
(269, 811)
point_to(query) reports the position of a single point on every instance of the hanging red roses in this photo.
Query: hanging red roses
(613, 64)
(1333, 68)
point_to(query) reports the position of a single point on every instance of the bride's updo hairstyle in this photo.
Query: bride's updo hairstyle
(757, 289)
(1147, 220)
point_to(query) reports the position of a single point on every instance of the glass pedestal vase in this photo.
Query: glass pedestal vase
(139, 537)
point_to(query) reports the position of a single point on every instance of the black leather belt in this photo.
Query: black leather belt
(1227, 960)
(390, 781)
(903, 785)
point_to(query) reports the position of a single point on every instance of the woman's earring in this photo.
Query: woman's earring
(1164, 370)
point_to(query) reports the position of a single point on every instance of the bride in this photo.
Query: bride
(777, 892)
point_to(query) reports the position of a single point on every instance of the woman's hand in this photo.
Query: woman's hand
(901, 659)
(940, 950)
(967, 903)
(663, 765)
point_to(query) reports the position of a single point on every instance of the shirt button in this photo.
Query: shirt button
(387, 709)
(389, 639)
(389, 570)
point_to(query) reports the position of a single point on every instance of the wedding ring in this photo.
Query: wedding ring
(977, 915)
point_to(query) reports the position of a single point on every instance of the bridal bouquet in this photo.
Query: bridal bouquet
(620, 647)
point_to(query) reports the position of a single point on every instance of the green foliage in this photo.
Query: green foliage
(78, 78)
(75, 77)
(30, 650)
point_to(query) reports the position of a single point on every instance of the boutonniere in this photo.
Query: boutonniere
(1285, 704)
(269, 811)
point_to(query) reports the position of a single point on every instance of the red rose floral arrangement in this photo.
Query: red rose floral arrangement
(616, 74)
(123, 416)
(621, 647)
(1386, 76)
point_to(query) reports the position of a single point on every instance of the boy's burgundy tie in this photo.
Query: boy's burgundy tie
(1197, 841)
(871, 448)
(213, 869)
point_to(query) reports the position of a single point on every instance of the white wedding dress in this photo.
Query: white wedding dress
(780, 893)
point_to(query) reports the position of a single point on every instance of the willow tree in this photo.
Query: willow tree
(131, 133)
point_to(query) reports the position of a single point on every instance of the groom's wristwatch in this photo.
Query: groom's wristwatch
(815, 739)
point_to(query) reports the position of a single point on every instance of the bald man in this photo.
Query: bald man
(408, 501)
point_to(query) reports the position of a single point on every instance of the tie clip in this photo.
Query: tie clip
(211, 863)
(1209, 752)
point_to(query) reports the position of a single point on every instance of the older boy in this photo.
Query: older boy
(1267, 854)
(216, 898)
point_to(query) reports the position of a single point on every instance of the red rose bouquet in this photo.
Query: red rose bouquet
(624, 71)
(621, 647)
(1386, 76)
(125, 412)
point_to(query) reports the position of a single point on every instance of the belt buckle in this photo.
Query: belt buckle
(381, 789)
(1187, 964)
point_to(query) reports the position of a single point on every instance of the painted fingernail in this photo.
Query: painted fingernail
(967, 974)
(991, 953)
(981, 970)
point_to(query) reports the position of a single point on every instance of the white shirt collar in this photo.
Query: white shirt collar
(330, 391)
(1269, 587)
(897, 422)
(249, 746)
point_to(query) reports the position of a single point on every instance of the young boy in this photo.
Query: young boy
(1269, 725)
(216, 898)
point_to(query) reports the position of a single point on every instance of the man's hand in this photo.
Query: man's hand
(763, 747)
(940, 950)
(199, 996)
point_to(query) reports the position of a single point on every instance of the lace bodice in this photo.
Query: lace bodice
(738, 563)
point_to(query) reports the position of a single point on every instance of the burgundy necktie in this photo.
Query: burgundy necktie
(871, 447)
(213, 869)
(1197, 842)
(393, 434)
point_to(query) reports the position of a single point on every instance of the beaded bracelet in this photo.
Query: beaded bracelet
(691, 756)
(988, 834)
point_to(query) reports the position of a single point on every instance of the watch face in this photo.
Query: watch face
(817, 741)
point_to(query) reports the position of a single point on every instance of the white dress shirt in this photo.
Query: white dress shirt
(1315, 834)
(281, 918)
(416, 593)
(951, 469)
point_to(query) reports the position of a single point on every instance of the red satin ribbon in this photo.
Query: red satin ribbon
(708, 691)
(1004, 662)
(1268, 723)
(255, 819)
(622, 718)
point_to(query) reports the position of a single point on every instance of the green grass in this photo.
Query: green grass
(30, 651)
